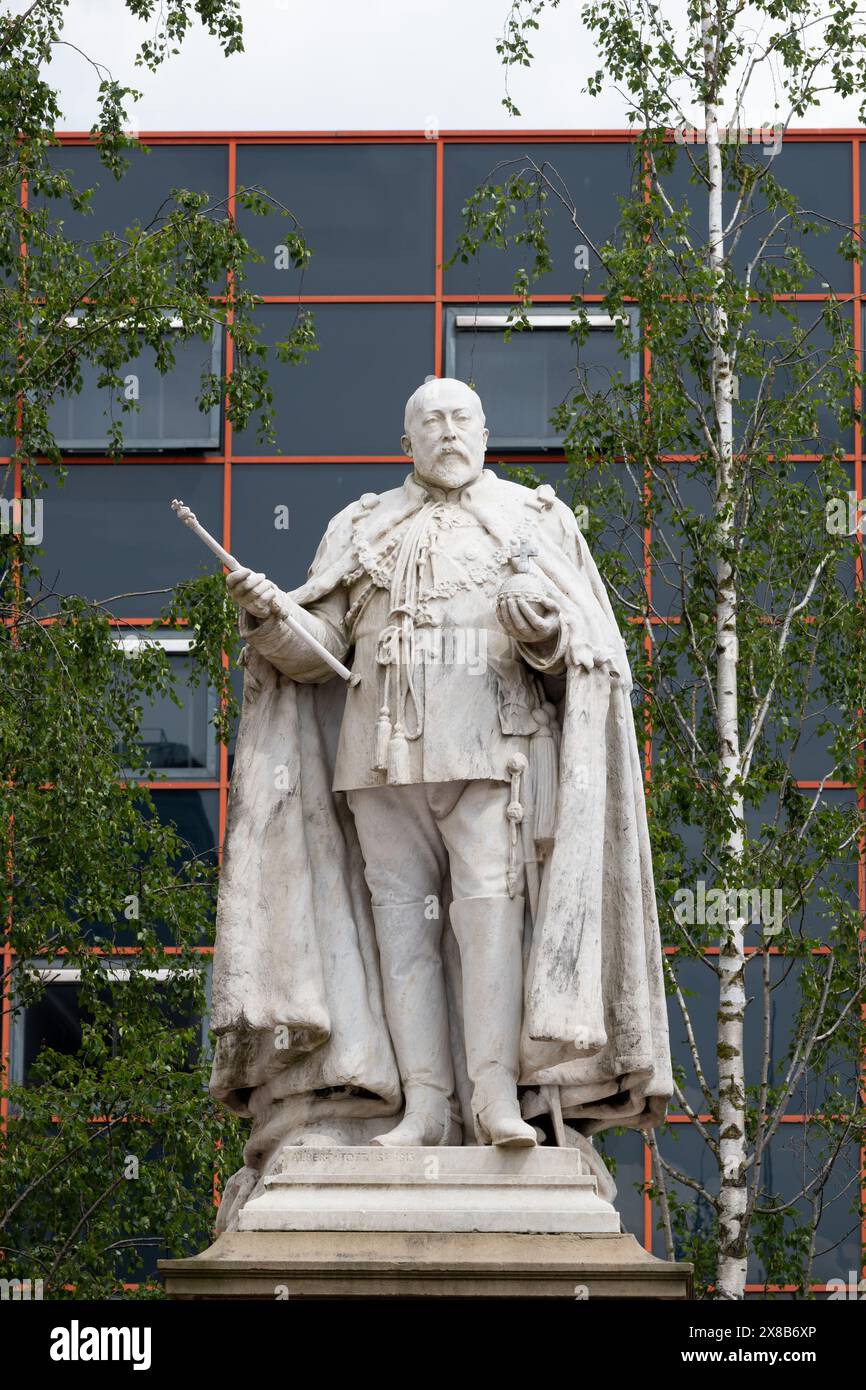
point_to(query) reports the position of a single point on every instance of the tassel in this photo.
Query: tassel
(382, 732)
(398, 757)
(383, 735)
(545, 781)
(516, 765)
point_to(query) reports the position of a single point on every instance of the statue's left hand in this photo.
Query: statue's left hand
(528, 620)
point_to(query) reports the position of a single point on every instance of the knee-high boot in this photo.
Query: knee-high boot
(417, 1012)
(489, 933)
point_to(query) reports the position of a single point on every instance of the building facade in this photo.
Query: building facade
(381, 212)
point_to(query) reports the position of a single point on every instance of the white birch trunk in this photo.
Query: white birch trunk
(731, 1273)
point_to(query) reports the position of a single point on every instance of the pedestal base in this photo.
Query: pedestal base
(470, 1222)
(401, 1264)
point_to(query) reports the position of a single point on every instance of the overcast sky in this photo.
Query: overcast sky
(361, 65)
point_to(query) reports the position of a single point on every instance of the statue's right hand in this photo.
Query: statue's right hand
(253, 592)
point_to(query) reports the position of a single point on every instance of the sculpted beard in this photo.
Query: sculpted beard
(452, 465)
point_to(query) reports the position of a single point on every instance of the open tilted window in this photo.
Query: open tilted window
(163, 413)
(523, 380)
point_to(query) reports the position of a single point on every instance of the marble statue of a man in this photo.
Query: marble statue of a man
(437, 919)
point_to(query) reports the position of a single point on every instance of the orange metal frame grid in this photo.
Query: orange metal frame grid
(226, 457)
(396, 137)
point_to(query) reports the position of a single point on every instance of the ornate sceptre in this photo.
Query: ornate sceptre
(189, 519)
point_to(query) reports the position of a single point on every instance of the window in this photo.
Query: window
(57, 1019)
(165, 414)
(178, 743)
(521, 382)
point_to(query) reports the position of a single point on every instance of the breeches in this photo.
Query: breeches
(410, 835)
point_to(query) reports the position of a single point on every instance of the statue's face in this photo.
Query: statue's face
(447, 438)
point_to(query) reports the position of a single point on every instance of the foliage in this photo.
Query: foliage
(108, 1147)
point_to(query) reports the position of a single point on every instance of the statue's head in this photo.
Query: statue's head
(444, 433)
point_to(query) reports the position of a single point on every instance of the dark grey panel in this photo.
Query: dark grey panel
(817, 173)
(700, 987)
(626, 1149)
(195, 815)
(592, 174)
(797, 1155)
(311, 493)
(349, 396)
(683, 1148)
(110, 530)
(786, 365)
(142, 191)
(367, 214)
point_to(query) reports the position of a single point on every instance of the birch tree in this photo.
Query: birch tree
(769, 599)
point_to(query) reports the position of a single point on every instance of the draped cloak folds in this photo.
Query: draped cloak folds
(302, 1041)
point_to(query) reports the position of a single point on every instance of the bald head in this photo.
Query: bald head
(444, 432)
(431, 390)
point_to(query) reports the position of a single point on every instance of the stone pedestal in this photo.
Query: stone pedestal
(476, 1188)
(465, 1222)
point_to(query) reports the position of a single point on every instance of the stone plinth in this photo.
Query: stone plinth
(476, 1188)
(428, 1222)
